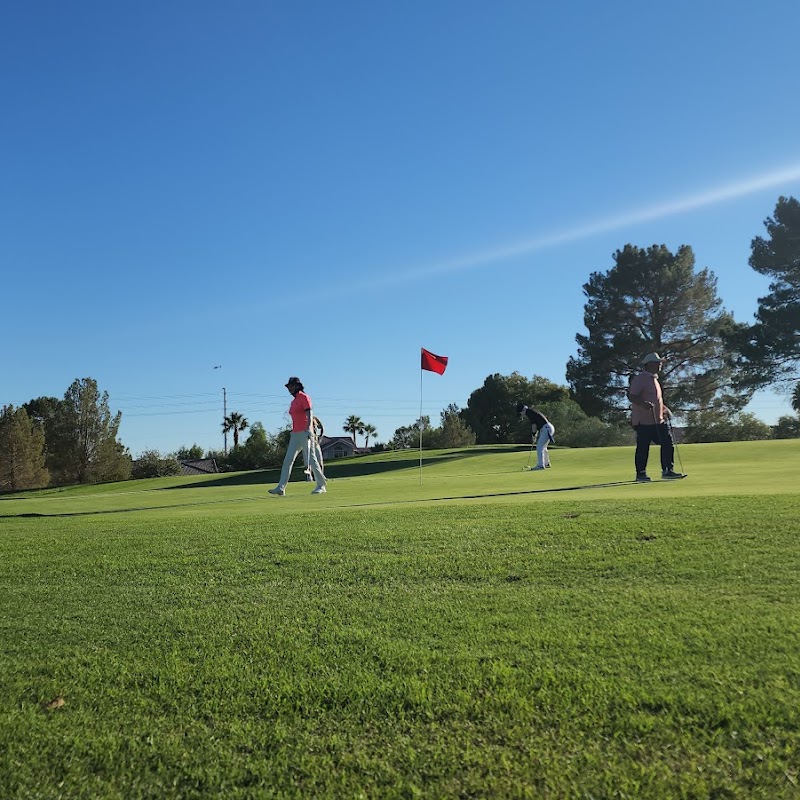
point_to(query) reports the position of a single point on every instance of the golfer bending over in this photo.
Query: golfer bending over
(543, 431)
(648, 417)
(300, 439)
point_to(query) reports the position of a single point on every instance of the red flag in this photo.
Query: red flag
(433, 363)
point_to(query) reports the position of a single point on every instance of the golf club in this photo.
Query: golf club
(672, 436)
(520, 407)
(530, 455)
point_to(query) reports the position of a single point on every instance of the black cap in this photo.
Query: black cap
(293, 381)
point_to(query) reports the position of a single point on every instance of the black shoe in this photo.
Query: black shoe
(669, 475)
(641, 477)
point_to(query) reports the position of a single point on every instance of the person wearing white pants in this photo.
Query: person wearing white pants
(300, 440)
(543, 432)
(545, 438)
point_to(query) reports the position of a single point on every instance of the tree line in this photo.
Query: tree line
(60, 441)
(650, 300)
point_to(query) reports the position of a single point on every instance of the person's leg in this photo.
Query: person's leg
(318, 451)
(316, 468)
(667, 447)
(644, 435)
(550, 430)
(541, 448)
(307, 465)
(296, 441)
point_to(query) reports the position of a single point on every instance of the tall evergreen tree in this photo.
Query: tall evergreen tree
(771, 347)
(652, 300)
(22, 451)
(88, 436)
(51, 414)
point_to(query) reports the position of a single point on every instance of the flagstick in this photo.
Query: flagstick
(419, 425)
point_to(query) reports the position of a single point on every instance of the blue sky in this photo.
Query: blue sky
(320, 189)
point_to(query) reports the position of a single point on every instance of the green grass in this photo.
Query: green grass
(489, 633)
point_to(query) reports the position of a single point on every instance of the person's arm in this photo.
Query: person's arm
(635, 396)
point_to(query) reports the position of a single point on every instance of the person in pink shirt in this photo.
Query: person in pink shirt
(648, 418)
(300, 439)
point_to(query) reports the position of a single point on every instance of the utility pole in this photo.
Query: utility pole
(224, 418)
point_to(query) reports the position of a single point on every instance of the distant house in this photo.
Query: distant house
(337, 447)
(199, 466)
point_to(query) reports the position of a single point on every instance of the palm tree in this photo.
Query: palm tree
(354, 425)
(235, 422)
(369, 430)
(796, 398)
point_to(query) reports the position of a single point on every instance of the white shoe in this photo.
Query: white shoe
(319, 490)
(278, 491)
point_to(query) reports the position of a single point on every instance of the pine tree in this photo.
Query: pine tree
(22, 451)
(654, 301)
(771, 346)
(88, 436)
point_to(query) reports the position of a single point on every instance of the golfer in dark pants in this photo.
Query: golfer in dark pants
(648, 417)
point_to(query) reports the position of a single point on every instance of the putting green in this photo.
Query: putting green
(484, 474)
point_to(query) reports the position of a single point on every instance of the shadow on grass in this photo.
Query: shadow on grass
(554, 490)
(340, 468)
(100, 513)
(265, 498)
(343, 468)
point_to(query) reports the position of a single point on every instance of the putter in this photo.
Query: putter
(530, 456)
(672, 436)
(533, 438)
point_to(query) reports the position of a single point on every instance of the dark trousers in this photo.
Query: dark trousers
(653, 434)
